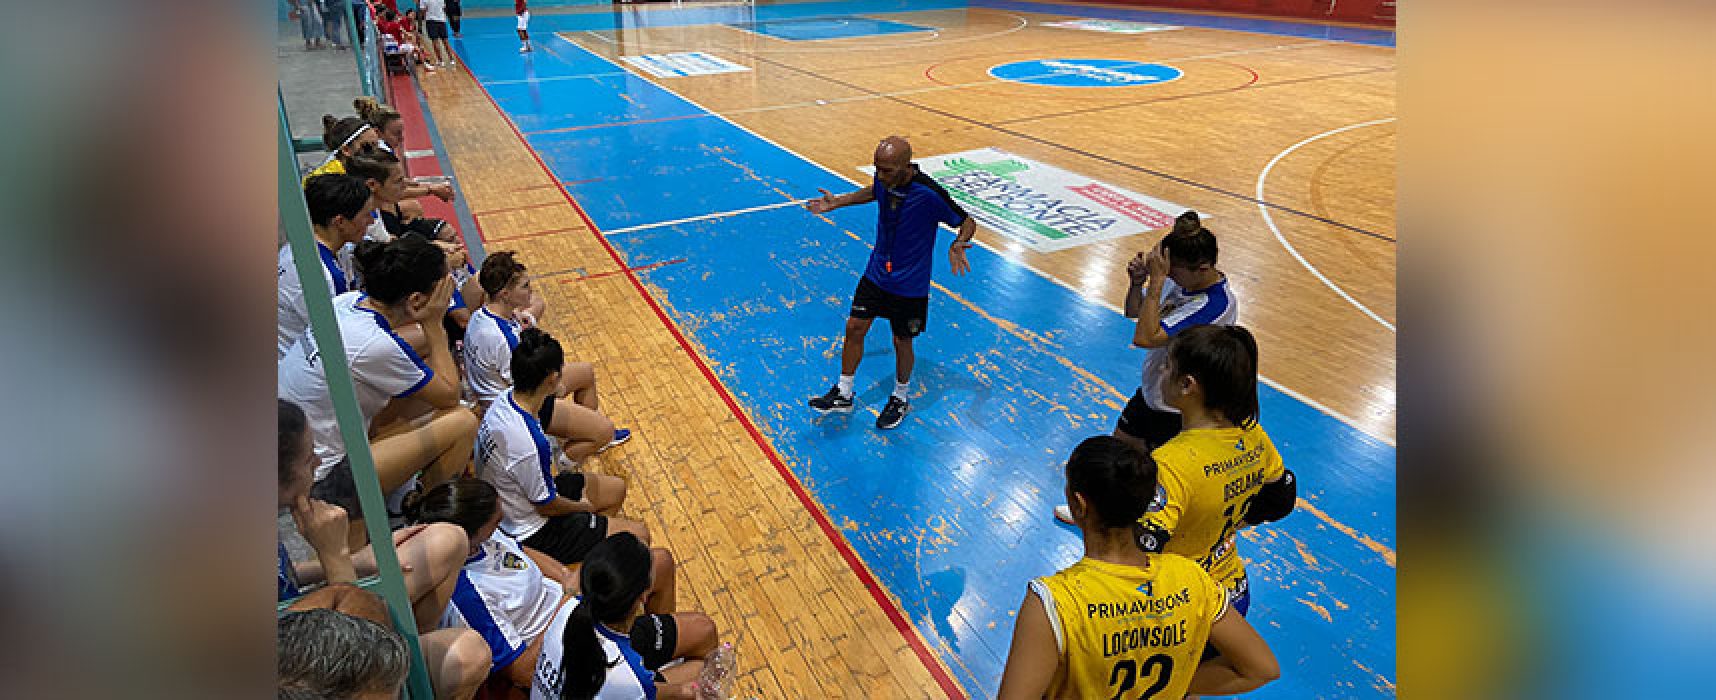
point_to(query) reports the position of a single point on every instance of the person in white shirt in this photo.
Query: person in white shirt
(563, 514)
(339, 214)
(511, 594)
(585, 653)
(430, 558)
(405, 284)
(1175, 287)
(571, 412)
(435, 27)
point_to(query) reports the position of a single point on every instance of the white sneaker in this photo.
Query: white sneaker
(1063, 513)
(524, 49)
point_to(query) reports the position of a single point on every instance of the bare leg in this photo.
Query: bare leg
(664, 597)
(697, 636)
(578, 380)
(619, 525)
(677, 681)
(458, 661)
(605, 493)
(583, 431)
(433, 555)
(852, 352)
(904, 358)
(440, 448)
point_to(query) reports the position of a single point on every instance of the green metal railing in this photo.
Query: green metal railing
(318, 298)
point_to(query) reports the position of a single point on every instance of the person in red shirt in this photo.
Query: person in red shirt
(402, 29)
(522, 9)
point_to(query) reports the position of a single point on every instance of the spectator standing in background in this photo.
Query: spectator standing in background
(522, 9)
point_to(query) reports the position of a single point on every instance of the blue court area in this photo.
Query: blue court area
(952, 510)
(817, 28)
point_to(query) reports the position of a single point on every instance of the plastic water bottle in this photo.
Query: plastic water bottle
(716, 681)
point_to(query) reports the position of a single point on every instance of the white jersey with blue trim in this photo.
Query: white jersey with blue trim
(489, 340)
(291, 315)
(513, 454)
(383, 367)
(627, 678)
(1181, 310)
(505, 597)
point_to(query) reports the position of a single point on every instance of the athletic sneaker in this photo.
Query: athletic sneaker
(831, 402)
(524, 49)
(1063, 513)
(892, 413)
(620, 436)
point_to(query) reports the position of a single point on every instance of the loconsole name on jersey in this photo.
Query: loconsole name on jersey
(1153, 607)
(1139, 637)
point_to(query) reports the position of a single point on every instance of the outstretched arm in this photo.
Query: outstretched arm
(956, 251)
(829, 202)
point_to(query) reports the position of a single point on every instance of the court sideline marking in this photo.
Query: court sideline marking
(932, 663)
(1023, 23)
(1365, 540)
(996, 126)
(1324, 409)
(1267, 219)
(938, 87)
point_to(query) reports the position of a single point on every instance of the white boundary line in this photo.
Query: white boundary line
(935, 38)
(580, 76)
(1330, 412)
(704, 217)
(1270, 220)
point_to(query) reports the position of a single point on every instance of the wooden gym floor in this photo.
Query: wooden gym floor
(658, 216)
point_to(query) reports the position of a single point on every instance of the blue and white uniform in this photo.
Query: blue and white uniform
(1181, 310)
(505, 597)
(291, 315)
(513, 454)
(627, 678)
(383, 367)
(489, 341)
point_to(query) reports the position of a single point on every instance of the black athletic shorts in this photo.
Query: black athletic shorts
(545, 414)
(436, 29)
(1148, 424)
(653, 638)
(338, 488)
(907, 315)
(569, 538)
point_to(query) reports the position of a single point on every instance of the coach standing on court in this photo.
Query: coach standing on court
(896, 281)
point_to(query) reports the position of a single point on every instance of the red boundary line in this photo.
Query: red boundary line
(611, 273)
(877, 592)
(532, 234)
(522, 207)
(556, 185)
(609, 125)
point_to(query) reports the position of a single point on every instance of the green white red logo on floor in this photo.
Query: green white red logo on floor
(1041, 206)
(1110, 26)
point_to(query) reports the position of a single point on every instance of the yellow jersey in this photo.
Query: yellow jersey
(332, 166)
(1205, 478)
(1128, 632)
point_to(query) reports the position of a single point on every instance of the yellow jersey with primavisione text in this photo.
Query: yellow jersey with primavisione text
(1129, 632)
(332, 166)
(1205, 479)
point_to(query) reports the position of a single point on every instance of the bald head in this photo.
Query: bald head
(895, 149)
(893, 161)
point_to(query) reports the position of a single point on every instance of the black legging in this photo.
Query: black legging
(453, 14)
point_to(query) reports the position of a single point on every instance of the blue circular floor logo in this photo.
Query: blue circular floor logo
(1085, 72)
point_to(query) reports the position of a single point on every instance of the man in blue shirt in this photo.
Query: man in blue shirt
(896, 281)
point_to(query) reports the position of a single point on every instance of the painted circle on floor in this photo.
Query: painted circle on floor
(1085, 72)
